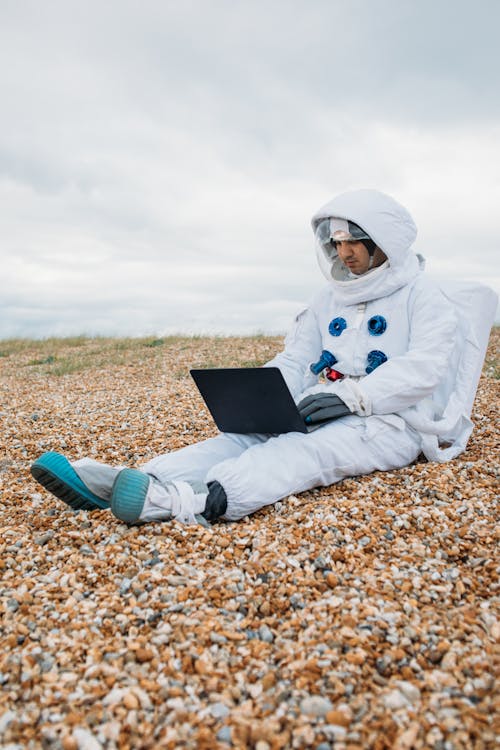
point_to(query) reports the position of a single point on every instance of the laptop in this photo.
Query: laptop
(249, 399)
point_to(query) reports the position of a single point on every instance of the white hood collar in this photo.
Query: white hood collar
(390, 226)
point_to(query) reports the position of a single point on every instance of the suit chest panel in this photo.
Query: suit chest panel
(360, 335)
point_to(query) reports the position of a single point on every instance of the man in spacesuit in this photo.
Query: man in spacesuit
(373, 360)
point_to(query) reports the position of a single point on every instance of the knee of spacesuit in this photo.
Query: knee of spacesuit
(216, 504)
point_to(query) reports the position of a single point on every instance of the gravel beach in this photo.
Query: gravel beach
(362, 615)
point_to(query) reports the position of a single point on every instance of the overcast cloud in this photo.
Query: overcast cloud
(160, 161)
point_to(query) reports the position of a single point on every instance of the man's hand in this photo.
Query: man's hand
(322, 407)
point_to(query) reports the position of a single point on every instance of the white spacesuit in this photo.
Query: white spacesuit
(389, 343)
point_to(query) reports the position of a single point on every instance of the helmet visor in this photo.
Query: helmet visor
(333, 230)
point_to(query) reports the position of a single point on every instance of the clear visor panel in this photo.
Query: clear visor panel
(339, 230)
(323, 233)
(341, 236)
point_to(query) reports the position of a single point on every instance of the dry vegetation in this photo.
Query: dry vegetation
(362, 615)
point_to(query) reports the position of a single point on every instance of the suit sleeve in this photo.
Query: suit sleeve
(302, 345)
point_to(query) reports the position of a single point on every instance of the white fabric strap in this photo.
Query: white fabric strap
(360, 314)
(175, 500)
(185, 503)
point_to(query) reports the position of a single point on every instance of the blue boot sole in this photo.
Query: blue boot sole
(54, 472)
(129, 495)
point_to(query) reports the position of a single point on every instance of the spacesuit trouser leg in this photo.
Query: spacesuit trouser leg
(194, 461)
(187, 464)
(290, 463)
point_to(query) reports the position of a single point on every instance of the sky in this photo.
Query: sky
(160, 160)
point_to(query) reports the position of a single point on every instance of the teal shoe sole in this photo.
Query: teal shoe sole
(54, 472)
(129, 495)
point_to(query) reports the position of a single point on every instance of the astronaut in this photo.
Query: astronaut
(378, 361)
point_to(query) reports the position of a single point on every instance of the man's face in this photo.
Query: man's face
(354, 255)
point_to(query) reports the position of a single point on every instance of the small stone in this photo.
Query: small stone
(395, 700)
(382, 664)
(406, 740)
(13, 605)
(335, 732)
(315, 705)
(265, 634)
(224, 734)
(268, 681)
(331, 579)
(320, 563)
(409, 690)
(44, 538)
(219, 710)
(85, 739)
(338, 717)
(113, 697)
(5, 720)
(130, 701)
(125, 586)
(143, 654)
(143, 698)
(218, 638)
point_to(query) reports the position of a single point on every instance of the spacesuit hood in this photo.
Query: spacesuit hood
(390, 226)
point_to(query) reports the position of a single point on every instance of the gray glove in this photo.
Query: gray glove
(322, 407)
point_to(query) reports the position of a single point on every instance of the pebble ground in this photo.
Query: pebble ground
(358, 616)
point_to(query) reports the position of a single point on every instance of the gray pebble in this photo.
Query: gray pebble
(409, 690)
(364, 541)
(224, 734)
(265, 634)
(315, 705)
(382, 664)
(218, 638)
(46, 664)
(6, 719)
(320, 563)
(125, 586)
(44, 538)
(13, 605)
(296, 601)
(395, 700)
(219, 710)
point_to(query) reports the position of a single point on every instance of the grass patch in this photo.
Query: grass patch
(64, 356)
